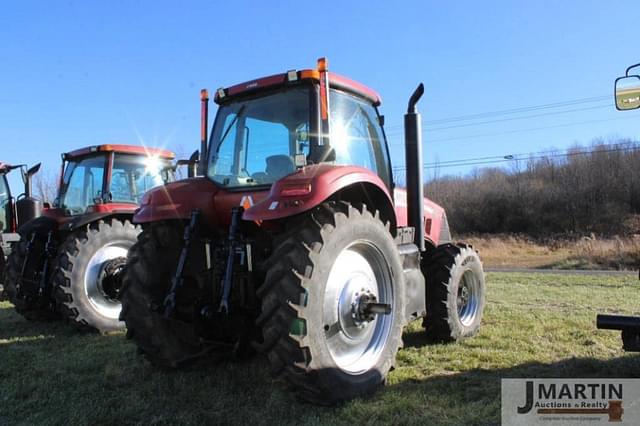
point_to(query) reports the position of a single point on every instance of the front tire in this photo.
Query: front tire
(455, 292)
(314, 336)
(165, 342)
(89, 272)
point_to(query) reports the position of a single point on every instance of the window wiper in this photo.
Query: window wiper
(228, 129)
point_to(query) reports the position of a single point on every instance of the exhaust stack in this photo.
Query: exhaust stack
(413, 161)
(204, 116)
(28, 179)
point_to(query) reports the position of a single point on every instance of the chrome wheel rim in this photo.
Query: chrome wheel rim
(360, 272)
(98, 296)
(468, 298)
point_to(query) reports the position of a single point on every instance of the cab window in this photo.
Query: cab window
(134, 175)
(356, 135)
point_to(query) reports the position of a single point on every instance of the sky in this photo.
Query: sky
(76, 73)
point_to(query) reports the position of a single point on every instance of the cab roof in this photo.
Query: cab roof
(335, 80)
(121, 149)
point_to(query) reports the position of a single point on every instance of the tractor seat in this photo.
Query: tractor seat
(279, 166)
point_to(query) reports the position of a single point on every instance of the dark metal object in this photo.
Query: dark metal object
(25, 262)
(626, 73)
(631, 340)
(618, 322)
(368, 307)
(28, 208)
(49, 253)
(234, 244)
(413, 160)
(177, 281)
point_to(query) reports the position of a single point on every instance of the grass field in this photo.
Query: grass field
(535, 326)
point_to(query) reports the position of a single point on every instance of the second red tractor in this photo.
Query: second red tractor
(68, 261)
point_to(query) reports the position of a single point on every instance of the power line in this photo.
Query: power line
(511, 111)
(509, 132)
(545, 114)
(520, 157)
(527, 155)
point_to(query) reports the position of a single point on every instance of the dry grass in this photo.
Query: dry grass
(617, 253)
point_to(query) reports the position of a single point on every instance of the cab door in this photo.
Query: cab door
(5, 206)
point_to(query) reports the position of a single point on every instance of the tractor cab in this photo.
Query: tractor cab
(110, 177)
(268, 128)
(15, 213)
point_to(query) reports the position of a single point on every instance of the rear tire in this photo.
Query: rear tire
(88, 274)
(24, 296)
(455, 292)
(311, 336)
(151, 264)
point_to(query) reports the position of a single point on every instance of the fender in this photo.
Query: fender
(40, 225)
(79, 221)
(55, 220)
(312, 185)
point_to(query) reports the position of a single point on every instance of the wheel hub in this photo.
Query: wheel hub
(358, 291)
(110, 278)
(102, 278)
(468, 298)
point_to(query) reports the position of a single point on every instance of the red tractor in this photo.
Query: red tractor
(296, 241)
(15, 212)
(68, 261)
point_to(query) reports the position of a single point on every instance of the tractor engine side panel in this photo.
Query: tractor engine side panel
(435, 221)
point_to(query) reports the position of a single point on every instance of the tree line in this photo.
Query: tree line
(594, 189)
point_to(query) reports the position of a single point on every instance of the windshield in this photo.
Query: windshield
(254, 141)
(82, 183)
(133, 175)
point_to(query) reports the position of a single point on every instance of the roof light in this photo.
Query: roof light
(220, 93)
(292, 75)
(94, 149)
(323, 64)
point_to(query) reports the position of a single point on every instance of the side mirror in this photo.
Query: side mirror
(627, 91)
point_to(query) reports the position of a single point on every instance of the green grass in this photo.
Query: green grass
(535, 326)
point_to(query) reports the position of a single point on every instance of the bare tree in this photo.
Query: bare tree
(45, 185)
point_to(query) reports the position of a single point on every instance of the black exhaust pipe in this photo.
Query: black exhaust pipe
(413, 161)
(28, 180)
(27, 207)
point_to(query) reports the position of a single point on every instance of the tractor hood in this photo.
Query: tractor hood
(177, 200)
